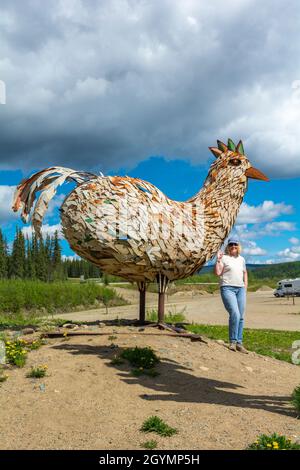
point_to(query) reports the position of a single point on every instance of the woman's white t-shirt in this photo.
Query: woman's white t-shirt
(232, 275)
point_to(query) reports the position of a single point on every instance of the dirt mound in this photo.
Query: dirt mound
(265, 288)
(190, 293)
(216, 398)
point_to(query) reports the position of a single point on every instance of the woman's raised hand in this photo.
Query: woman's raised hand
(219, 255)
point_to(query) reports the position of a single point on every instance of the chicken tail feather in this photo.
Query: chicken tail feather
(47, 181)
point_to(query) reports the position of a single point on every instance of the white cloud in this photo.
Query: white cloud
(258, 221)
(96, 84)
(265, 212)
(294, 240)
(276, 227)
(253, 250)
(290, 254)
(7, 215)
(6, 196)
(54, 204)
(70, 257)
(46, 229)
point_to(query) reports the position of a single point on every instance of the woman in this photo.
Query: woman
(231, 267)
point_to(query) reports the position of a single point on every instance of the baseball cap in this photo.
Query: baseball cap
(233, 240)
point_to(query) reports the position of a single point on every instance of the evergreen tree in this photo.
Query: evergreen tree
(3, 256)
(41, 261)
(58, 270)
(30, 265)
(18, 260)
(34, 254)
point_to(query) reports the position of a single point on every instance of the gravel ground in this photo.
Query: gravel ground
(263, 310)
(216, 398)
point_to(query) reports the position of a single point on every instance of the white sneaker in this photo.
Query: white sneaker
(240, 348)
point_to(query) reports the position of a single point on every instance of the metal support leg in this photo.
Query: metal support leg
(142, 311)
(162, 282)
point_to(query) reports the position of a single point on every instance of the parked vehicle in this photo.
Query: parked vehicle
(288, 287)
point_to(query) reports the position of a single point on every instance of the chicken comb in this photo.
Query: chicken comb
(215, 151)
(231, 145)
(240, 148)
(222, 146)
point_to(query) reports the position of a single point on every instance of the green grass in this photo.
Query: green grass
(37, 372)
(37, 297)
(199, 282)
(296, 399)
(19, 321)
(273, 343)
(141, 371)
(16, 352)
(17, 349)
(152, 444)
(171, 317)
(143, 361)
(116, 361)
(174, 286)
(140, 357)
(273, 442)
(157, 425)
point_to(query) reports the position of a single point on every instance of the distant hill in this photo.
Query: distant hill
(260, 271)
(279, 270)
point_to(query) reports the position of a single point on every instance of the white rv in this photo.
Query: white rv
(288, 287)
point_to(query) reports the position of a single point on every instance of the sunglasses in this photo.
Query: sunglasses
(233, 244)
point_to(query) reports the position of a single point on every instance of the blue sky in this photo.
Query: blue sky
(267, 224)
(143, 88)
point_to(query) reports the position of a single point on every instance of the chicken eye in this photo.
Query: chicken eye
(235, 161)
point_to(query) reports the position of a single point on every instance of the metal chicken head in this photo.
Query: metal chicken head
(233, 156)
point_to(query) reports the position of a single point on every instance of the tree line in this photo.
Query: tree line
(40, 258)
(279, 271)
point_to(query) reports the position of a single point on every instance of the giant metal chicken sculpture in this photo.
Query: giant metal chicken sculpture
(129, 228)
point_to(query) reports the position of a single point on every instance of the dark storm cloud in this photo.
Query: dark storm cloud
(106, 84)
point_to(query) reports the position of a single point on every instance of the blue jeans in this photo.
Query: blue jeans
(234, 300)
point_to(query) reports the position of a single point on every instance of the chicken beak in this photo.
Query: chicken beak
(255, 174)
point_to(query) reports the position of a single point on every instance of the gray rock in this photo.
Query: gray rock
(69, 325)
(12, 333)
(28, 331)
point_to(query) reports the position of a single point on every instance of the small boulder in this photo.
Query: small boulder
(220, 341)
(28, 331)
(69, 325)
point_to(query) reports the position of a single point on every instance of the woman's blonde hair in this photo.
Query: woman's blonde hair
(239, 249)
